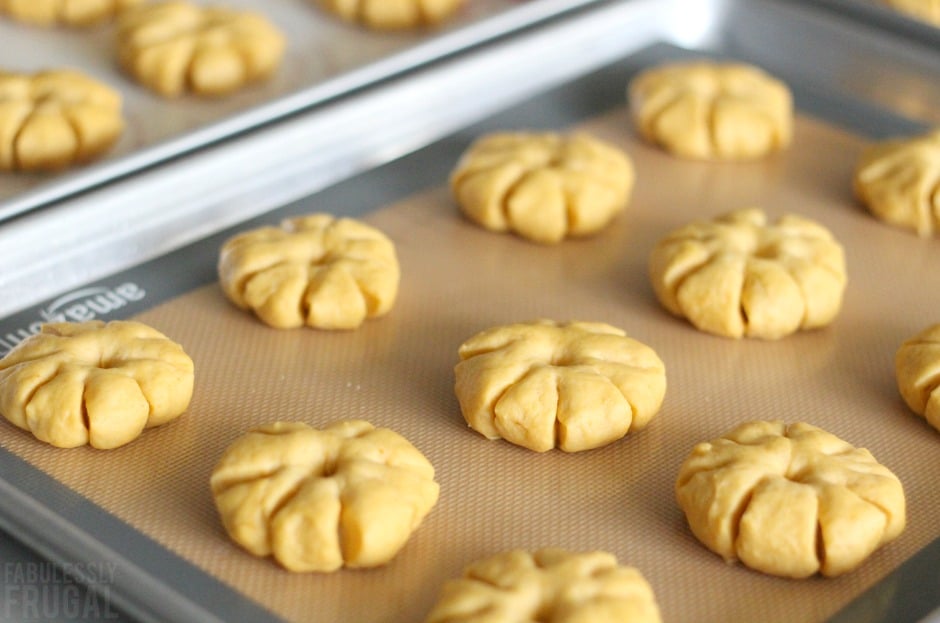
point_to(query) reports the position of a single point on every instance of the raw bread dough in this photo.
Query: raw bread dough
(712, 111)
(899, 182)
(349, 494)
(917, 368)
(392, 14)
(576, 385)
(325, 272)
(53, 119)
(542, 186)
(173, 47)
(789, 500)
(551, 585)
(93, 383)
(925, 10)
(739, 275)
(65, 12)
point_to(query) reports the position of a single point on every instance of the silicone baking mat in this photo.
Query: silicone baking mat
(325, 58)
(459, 279)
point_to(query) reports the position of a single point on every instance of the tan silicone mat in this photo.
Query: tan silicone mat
(458, 279)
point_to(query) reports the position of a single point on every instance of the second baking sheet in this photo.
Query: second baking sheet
(325, 58)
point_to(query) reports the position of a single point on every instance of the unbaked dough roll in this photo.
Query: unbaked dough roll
(712, 111)
(549, 584)
(544, 187)
(545, 384)
(393, 14)
(94, 383)
(789, 499)
(917, 370)
(348, 494)
(174, 47)
(898, 180)
(743, 275)
(316, 270)
(54, 119)
(64, 12)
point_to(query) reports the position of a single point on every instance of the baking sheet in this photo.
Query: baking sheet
(397, 372)
(458, 279)
(325, 58)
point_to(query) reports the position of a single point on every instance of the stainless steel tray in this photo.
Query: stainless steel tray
(853, 65)
(325, 58)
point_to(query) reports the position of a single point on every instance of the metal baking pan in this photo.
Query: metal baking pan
(580, 75)
(325, 58)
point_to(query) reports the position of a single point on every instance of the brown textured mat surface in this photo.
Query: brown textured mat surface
(458, 279)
